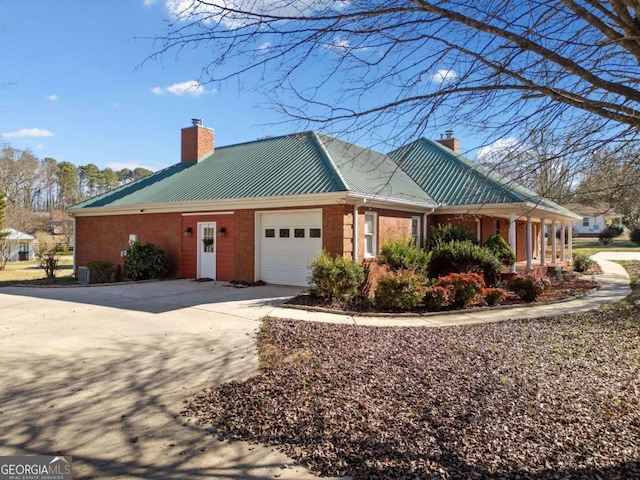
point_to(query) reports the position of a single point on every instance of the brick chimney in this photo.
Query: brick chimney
(196, 141)
(448, 141)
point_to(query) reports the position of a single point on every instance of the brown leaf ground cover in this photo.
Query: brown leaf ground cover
(547, 398)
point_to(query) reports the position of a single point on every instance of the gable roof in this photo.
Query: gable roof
(453, 180)
(592, 210)
(297, 164)
(14, 234)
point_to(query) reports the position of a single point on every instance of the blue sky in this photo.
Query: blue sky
(72, 86)
(75, 86)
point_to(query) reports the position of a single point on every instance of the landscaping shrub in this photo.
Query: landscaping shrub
(634, 236)
(101, 271)
(606, 235)
(337, 279)
(447, 233)
(459, 257)
(582, 263)
(500, 249)
(435, 298)
(528, 287)
(144, 262)
(493, 296)
(399, 290)
(403, 255)
(46, 254)
(616, 229)
(465, 287)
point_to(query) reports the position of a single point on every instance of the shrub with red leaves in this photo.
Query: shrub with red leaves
(465, 286)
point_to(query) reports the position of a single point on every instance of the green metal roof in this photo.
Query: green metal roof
(452, 179)
(303, 163)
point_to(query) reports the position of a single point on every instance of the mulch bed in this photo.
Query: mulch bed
(558, 290)
(534, 399)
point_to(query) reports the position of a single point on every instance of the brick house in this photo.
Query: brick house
(262, 210)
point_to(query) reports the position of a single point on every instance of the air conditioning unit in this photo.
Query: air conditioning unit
(84, 276)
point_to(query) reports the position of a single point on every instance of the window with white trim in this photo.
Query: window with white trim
(415, 230)
(370, 228)
(585, 221)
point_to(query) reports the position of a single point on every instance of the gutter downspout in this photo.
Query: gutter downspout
(354, 240)
(75, 266)
(425, 228)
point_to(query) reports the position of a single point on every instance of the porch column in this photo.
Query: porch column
(571, 242)
(529, 245)
(543, 260)
(512, 240)
(562, 240)
(554, 250)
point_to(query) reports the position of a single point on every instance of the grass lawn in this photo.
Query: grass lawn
(590, 246)
(30, 273)
(530, 399)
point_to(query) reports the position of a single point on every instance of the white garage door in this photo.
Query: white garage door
(289, 241)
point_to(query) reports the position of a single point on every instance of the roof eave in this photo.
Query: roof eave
(375, 200)
(521, 209)
(302, 200)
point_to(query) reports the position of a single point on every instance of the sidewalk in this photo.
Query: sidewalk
(614, 286)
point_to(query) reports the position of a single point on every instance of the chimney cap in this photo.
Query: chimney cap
(196, 122)
(449, 133)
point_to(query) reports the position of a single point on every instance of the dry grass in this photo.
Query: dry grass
(30, 272)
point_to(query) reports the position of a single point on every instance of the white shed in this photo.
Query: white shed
(21, 245)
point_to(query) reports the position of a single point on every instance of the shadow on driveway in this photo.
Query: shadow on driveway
(86, 375)
(164, 296)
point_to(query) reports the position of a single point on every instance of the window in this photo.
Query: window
(284, 233)
(415, 230)
(496, 227)
(370, 234)
(24, 247)
(270, 233)
(585, 222)
(298, 232)
(315, 232)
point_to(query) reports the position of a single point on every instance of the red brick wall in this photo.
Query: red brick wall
(224, 246)
(466, 221)
(337, 229)
(103, 238)
(244, 245)
(392, 225)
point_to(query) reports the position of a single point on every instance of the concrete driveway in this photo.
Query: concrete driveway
(100, 373)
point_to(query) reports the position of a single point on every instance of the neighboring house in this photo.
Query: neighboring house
(21, 246)
(263, 210)
(593, 219)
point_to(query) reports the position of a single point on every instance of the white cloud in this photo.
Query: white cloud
(28, 132)
(265, 46)
(497, 150)
(444, 76)
(339, 43)
(39, 146)
(209, 12)
(53, 98)
(148, 3)
(190, 87)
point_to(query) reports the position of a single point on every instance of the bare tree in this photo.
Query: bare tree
(549, 164)
(611, 182)
(398, 68)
